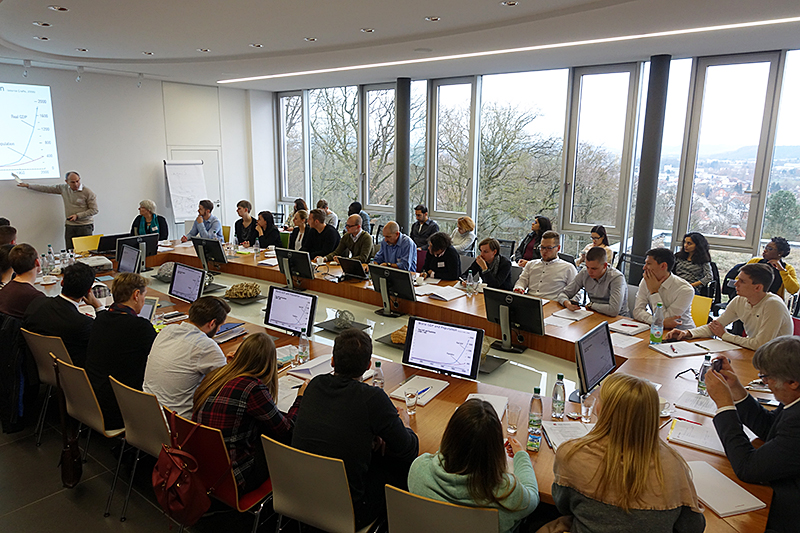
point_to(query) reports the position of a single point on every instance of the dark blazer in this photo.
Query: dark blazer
(503, 278)
(59, 318)
(243, 234)
(271, 237)
(316, 243)
(450, 264)
(295, 233)
(163, 229)
(776, 462)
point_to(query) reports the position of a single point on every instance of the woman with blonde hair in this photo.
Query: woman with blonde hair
(463, 235)
(147, 221)
(622, 477)
(240, 400)
(300, 222)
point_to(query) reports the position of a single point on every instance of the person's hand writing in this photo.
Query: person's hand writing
(481, 263)
(423, 275)
(184, 238)
(246, 244)
(672, 322)
(520, 290)
(677, 334)
(718, 389)
(653, 284)
(716, 328)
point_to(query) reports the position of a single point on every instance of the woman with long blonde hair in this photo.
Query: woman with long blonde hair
(240, 400)
(622, 477)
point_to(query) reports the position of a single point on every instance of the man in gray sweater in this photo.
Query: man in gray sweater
(80, 205)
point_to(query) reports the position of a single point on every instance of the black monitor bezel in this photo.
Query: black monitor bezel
(307, 269)
(376, 272)
(351, 266)
(493, 299)
(150, 240)
(172, 282)
(583, 386)
(107, 238)
(212, 249)
(476, 356)
(311, 315)
(138, 264)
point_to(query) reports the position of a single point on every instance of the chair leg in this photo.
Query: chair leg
(278, 526)
(130, 485)
(258, 513)
(40, 423)
(86, 449)
(114, 481)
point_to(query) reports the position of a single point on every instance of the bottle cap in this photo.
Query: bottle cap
(708, 357)
(377, 364)
(560, 377)
(536, 390)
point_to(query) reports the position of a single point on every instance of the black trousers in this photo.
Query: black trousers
(76, 231)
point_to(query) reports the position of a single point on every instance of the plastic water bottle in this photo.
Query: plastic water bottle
(71, 257)
(559, 396)
(62, 258)
(44, 265)
(302, 348)
(701, 380)
(256, 248)
(657, 329)
(535, 422)
(470, 283)
(51, 258)
(377, 377)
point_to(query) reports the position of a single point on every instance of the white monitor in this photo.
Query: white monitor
(187, 283)
(445, 348)
(129, 259)
(290, 310)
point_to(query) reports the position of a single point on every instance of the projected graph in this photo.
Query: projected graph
(27, 132)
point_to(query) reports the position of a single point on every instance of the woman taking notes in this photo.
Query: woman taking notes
(622, 477)
(470, 467)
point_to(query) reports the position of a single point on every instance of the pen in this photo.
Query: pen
(687, 420)
(423, 391)
(547, 439)
(665, 423)
(673, 349)
(297, 386)
(629, 325)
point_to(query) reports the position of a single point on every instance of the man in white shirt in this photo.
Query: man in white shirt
(765, 315)
(546, 277)
(659, 286)
(184, 353)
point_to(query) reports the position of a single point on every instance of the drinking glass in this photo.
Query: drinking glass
(587, 405)
(512, 418)
(411, 401)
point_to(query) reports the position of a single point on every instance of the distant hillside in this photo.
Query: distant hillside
(749, 152)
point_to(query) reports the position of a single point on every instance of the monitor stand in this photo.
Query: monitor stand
(506, 345)
(575, 396)
(211, 287)
(142, 257)
(386, 310)
(491, 364)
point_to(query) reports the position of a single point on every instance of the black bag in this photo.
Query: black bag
(71, 462)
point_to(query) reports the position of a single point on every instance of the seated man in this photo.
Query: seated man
(60, 317)
(184, 353)
(119, 344)
(442, 260)
(356, 209)
(343, 417)
(397, 249)
(659, 286)
(785, 278)
(321, 238)
(6, 272)
(356, 242)
(8, 235)
(546, 277)
(764, 314)
(17, 294)
(493, 268)
(331, 218)
(605, 286)
(205, 225)
(776, 462)
(423, 228)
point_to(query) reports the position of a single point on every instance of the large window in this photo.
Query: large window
(453, 177)
(291, 116)
(418, 137)
(380, 146)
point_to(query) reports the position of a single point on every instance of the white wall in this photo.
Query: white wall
(117, 135)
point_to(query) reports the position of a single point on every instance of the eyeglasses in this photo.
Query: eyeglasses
(763, 377)
(597, 238)
(548, 247)
(351, 225)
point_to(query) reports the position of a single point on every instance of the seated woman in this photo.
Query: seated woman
(245, 227)
(599, 239)
(470, 467)
(693, 261)
(784, 277)
(622, 477)
(299, 221)
(299, 205)
(528, 249)
(268, 233)
(148, 222)
(239, 399)
(463, 235)
(442, 260)
(493, 268)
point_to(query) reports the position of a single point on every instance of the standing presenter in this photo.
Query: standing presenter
(80, 205)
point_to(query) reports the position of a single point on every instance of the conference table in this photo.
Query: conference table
(431, 419)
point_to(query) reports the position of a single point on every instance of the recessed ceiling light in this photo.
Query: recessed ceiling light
(204, 50)
(367, 30)
(57, 8)
(147, 53)
(256, 45)
(433, 19)
(81, 49)
(423, 49)
(41, 24)
(41, 38)
(509, 3)
(310, 39)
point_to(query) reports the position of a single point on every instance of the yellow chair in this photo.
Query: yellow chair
(226, 233)
(701, 307)
(84, 244)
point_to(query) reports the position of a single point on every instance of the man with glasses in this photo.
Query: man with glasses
(548, 276)
(785, 278)
(776, 462)
(604, 284)
(765, 315)
(356, 243)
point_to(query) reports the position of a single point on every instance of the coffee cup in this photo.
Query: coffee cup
(48, 279)
(663, 404)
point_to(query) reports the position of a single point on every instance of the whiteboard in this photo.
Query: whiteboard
(186, 186)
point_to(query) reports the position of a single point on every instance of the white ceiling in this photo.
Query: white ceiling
(117, 32)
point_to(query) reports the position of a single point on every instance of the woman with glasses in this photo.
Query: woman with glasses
(693, 261)
(599, 239)
(784, 277)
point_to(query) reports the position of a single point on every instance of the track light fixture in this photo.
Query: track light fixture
(80, 73)
(26, 64)
(141, 79)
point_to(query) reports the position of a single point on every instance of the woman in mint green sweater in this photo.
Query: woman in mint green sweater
(470, 467)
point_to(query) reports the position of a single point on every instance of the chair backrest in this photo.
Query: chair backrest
(715, 287)
(796, 322)
(701, 307)
(632, 291)
(631, 263)
(84, 244)
(226, 233)
(81, 402)
(466, 262)
(309, 488)
(409, 513)
(516, 272)
(421, 255)
(277, 218)
(41, 346)
(506, 247)
(379, 234)
(472, 247)
(187, 226)
(568, 258)
(145, 427)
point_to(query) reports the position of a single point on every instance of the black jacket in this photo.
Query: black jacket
(446, 267)
(59, 318)
(316, 243)
(503, 278)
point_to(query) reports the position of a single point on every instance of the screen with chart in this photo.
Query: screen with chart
(445, 348)
(187, 283)
(27, 132)
(290, 310)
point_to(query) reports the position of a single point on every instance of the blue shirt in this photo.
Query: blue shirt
(209, 229)
(403, 254)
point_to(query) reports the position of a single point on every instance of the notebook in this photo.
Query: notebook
(696, 402)
(580, 314)
(560, 432)
(678, 349)
(721, 494)
(498, 402)
(628, 326)
(420, 383)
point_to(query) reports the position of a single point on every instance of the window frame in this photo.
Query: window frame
(363, 138)
(281, 159)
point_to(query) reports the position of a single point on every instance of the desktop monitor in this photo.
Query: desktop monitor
(108, 243)
(290, 310)
(594, 356)
(209, 250)
(513, 311)
(444, 348)
(293, 263)
(392, 282)
(187, 283)
(147, 243)
(129, 259)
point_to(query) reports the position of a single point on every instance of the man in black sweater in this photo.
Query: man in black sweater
(344, 418)
(323, 239)
(119, 345)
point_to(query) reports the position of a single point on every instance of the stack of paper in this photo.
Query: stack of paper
(628, 326)
(287, 391)
(696, 402)
(678, 349)
(420, 383)
(498, 402)
(580, 314)
(623, 341)
(722, 495)
(269, 262)
(227, 334)
(561, 432)
(440, 292)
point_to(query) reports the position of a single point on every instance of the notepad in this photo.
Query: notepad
(580, 314)
(623, 341)
(561, 432)
(716, 345)
(420, 383)
(313, 368)
(498, 402)
(269, 262)
(678, 349)
(721, 494)
(697, 403)
(696, 436)
(286, 392)
(445, 293)
(628, 326)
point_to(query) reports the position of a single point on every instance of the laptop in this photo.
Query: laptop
(108, 244)
(352, 268)
(149, 308)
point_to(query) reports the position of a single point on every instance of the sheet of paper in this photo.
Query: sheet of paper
(716, 345)
(678, 349)
(628, 326)
(269, 262)
(286, 392)
(723, 495)
(424, 290)
(561, 432)
(313, 368)
(573, 315)
(696, 436)
(498, 402)
(420, 383)
(184, 245)
(620, 340)
(557, 321)
(697, 403)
